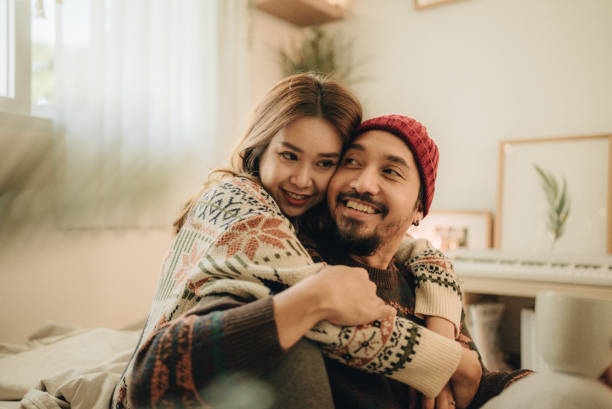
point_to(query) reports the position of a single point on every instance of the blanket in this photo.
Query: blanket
(62, 366)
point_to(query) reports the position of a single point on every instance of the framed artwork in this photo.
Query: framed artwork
(451, 229)
(422, 4)
(554, 195)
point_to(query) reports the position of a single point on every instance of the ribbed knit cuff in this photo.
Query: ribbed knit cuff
(435, 300)
(251, 334)
(435, 359)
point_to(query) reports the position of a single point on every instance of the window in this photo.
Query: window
(15, 56)
(42, 42)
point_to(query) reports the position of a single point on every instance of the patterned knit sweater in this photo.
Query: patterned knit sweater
(362, 390)
(213, 310)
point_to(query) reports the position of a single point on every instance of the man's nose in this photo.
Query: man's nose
(366, 181)
(301, 177)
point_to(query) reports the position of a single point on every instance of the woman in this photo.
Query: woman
(237, 288)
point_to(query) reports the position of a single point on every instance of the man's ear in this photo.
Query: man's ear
(418, 214)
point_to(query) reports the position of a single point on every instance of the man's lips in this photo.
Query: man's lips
(361, 204)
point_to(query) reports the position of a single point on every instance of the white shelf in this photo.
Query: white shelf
(301, 12)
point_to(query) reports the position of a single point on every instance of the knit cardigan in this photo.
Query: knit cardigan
(213, 310)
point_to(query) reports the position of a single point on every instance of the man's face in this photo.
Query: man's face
(372, 196)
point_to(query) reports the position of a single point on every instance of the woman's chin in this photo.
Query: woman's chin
(293, 211)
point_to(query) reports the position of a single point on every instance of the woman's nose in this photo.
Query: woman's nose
(301, 177)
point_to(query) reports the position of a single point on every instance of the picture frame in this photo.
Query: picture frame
(423, 4)
(524, 209)
(451, 229)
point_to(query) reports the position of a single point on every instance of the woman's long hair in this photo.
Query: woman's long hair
(295, 97)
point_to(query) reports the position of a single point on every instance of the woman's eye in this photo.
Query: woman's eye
(288, 155)
(326, 163)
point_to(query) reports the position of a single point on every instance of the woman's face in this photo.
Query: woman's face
(298, 163)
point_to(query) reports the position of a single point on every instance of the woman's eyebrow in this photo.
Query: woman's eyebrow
(292, 146)
(298, 150)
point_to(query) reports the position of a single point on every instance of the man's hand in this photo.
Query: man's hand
(445, 400)
(466, 379)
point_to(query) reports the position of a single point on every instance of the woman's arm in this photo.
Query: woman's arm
(338, 294)
(220, 337)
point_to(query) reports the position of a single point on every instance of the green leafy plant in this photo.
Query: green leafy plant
(558, 203)
(322, 53)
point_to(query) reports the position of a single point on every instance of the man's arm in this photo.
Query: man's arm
(437, 292)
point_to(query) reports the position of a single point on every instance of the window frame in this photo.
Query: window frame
(17, 25)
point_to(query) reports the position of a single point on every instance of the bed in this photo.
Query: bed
(62, 366)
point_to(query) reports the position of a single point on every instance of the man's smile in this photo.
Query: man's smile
(360, 206)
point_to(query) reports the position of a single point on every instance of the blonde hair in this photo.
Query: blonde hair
(295, 97)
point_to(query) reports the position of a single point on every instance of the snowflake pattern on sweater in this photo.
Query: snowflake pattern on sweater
(237, 242)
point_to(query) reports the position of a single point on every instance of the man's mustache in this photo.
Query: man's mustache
(364, 197)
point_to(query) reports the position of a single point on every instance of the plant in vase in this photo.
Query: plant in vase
(558, 203)
(322, 53)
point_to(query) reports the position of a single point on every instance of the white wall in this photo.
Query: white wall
(86, 278)
(267, 35)
(476, 72)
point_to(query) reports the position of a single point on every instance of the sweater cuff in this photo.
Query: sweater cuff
(435, 300)
(435, 360)
(251, 332)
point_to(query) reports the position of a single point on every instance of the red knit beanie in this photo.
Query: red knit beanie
(423, 148)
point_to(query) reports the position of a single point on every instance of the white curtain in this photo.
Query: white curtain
(148, 92)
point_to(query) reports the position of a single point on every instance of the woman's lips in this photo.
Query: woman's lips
(295, 199)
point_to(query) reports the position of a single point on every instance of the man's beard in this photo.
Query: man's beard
(354, 243)
(348, 235)
(347, 230)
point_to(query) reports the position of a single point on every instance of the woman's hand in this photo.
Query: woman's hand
(445, 400)
(348, 297)
(339, 294)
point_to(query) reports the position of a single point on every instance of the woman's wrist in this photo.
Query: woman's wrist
(296, 310)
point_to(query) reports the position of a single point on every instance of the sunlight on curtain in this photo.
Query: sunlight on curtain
(147, 91)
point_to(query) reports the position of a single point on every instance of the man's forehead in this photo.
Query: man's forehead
(382, 143)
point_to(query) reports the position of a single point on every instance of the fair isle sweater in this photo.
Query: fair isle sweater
(397, 286)
(212, 312)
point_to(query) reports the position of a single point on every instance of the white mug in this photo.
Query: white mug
(574, 334)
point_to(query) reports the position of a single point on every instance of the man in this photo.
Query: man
(384, 184)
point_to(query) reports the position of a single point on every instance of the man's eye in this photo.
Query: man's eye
(349, 162)
(288, 155)
(391, 172)
(326, 163)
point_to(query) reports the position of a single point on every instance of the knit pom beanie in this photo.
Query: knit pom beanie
(423, 148)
